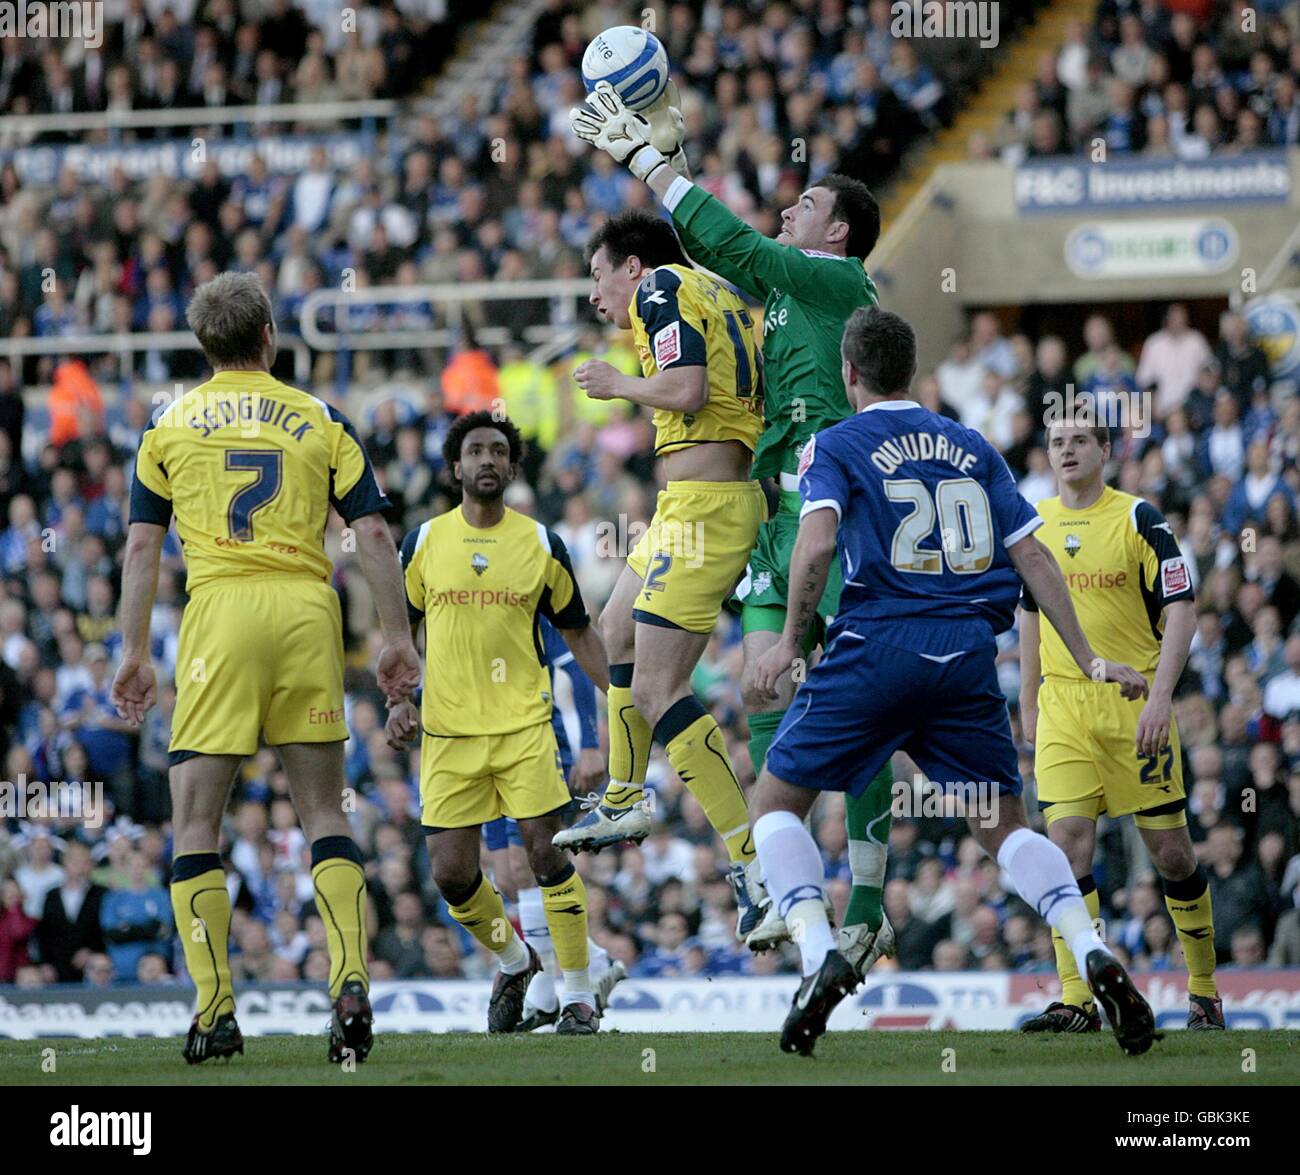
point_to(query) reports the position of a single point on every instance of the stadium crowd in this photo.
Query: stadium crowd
(774, 96)
(1217, 451)
(1185, 80)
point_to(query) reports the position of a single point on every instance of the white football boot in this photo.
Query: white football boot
(603, 827)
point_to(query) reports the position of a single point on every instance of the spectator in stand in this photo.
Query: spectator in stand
(38, 873)
(16, 927)
(136, 919)
(1248, 503)
(1282, 694)
(1171, 359)
(69, 931)
(1223, 447)
(1236, 888)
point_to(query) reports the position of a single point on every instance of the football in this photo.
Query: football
(632, 60)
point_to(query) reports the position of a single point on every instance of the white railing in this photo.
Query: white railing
(169, 340)
(19, 126)
(446, 296)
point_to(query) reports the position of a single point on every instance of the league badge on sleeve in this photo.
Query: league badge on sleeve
(668, 345)
(1174, 577)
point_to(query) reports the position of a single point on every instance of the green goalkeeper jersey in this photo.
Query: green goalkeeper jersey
(807, 296)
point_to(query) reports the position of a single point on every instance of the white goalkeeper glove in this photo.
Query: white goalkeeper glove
(667, 128)
(604, 122)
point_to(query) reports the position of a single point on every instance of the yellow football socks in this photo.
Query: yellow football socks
(201, 905)
(629, 742)
(1188, 902)
(564, 898)
(698, 753)
(483, 914)
(340, 883)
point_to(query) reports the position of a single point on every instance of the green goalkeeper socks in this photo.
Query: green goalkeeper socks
(762, 729)
(867, 820)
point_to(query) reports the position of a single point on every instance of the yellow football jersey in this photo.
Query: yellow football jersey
(1122, 565)
(250, 468)
(684, 318)
(480, 591)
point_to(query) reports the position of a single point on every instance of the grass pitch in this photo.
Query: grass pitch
(684, 1058)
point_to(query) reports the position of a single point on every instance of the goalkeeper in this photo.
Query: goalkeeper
(811, 279)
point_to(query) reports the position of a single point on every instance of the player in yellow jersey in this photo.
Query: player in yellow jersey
(1095, 751)
(479, 577)
(249, 467)
(702, 377)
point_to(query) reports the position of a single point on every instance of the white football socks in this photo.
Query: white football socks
(532, 919)
(542, 994)
(795, 874)
(513, 957)
(1042, 876)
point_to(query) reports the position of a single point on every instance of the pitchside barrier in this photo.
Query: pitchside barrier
(1252, 997)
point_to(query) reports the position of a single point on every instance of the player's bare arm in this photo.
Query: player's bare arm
(1156, 717)
(589, 652)
(809, 566)
(1031, 672)
(398, 670)
(681, 389)
(1041, 574)
(135, 684)
(402, 730)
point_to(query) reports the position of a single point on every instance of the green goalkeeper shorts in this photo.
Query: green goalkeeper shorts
(762, 596)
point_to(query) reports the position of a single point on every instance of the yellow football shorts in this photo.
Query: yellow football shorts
(695, 551)
(474, 779)
(1086, 760)
(259, 658)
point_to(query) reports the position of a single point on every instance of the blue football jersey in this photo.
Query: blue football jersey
(927, 509)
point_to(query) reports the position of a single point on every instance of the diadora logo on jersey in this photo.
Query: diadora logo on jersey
(479, 563)
(1174, 576)
(1072, 545)
(668, 345)
(806, 456)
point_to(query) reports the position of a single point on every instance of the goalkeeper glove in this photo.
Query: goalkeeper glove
(604, 122)
(667, 128)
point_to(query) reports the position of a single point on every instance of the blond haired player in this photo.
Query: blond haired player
(250, 467)
(1096, 751)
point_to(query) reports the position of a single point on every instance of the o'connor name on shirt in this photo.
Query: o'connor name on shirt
(921, 446)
